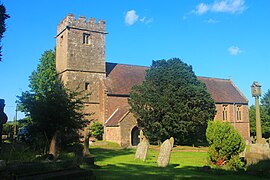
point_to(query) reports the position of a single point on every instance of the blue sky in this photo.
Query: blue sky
(219, 38)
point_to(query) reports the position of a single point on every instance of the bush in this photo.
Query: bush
(225, 145)
(97, 130)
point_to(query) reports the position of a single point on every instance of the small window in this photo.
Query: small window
(86, 38)
(239, 112)
(225, 112)
(86, 86)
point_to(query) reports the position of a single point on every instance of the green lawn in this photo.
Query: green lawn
(185, 163)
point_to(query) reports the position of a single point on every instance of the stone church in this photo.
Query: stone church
(81, 64)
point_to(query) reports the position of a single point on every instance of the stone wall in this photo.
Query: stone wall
(126, 126)
(113, 134)
(81, 64)
(241, 125)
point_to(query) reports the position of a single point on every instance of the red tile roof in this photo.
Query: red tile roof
(117, 116)
(223, 90)
(121, 78)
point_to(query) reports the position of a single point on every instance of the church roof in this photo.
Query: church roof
(223, 90)
(117, 116)
(121, 78)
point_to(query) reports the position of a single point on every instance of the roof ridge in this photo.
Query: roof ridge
(223, 79)
(127, 64)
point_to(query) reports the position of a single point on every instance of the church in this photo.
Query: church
(81, 64)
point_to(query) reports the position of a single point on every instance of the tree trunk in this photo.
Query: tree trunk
(86, 142)
(55, 144)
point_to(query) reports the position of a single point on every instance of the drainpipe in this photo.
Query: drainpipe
(234, 115)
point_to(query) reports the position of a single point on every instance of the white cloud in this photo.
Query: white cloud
(212, 21)
(131, 17)
(202, 8)
(221, 6)
(146, 20)
(234, 50)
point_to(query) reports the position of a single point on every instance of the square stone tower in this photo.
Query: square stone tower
(80, 59)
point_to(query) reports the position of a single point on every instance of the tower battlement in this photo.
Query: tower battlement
(82, 23)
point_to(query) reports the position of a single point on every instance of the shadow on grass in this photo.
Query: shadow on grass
(101, 154)
(134, 171)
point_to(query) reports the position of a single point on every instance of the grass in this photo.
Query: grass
(186, 163)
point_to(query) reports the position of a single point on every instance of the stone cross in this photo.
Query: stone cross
(141, 136)
(164, 154)
(142, 149)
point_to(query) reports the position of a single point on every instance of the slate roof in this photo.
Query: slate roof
(223, 90)
(117, 116)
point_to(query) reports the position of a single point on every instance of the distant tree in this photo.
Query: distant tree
(171, 101)
(3, 17)
(97, 130)
(225, 145)
(264, 114)
(49, 105)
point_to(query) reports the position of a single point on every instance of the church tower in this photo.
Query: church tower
(80, 59)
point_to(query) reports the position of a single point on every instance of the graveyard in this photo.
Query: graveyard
(95, 107)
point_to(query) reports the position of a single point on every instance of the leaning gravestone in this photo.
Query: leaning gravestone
(142, 149)
(164, 154)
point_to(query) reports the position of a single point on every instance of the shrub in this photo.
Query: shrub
(225, 145)
(97, 130)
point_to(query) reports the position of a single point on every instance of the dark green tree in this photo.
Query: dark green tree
(264, 114)
(3, 17)
(172, 102)
(50, 106)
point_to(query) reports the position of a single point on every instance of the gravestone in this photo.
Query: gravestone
(172, 141)
(164, 154)
(142, 149)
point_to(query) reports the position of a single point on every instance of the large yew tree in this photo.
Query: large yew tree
(3, 17)
(171, 101)
(49, 105)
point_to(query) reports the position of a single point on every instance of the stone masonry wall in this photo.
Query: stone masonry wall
(241, 125)
(126, 126)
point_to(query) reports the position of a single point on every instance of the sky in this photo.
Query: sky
(226, 39)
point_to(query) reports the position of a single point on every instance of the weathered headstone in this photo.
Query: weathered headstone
(86, 142)
(172, 141)
(164, 154)
(142, 149)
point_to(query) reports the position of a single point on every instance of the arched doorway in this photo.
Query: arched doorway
(135, 136)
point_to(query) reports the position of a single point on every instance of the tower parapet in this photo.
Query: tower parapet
(71, 22)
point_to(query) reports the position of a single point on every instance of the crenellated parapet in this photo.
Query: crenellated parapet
(91, 24)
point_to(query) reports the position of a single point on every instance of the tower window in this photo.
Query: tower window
(86, 38)
(239, 113)
(86, 86)
(225, 112)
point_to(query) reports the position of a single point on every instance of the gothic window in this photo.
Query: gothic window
(225, 112)
(239, 112)
(86, 38)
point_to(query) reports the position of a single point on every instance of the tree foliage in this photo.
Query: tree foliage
(97, 130)
(264, 114)
(3, 17)
(49, 105)
(225, 144)
(172, 102)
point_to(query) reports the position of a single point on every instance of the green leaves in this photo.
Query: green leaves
(225, 143)
(50, 106)
(172, 102)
